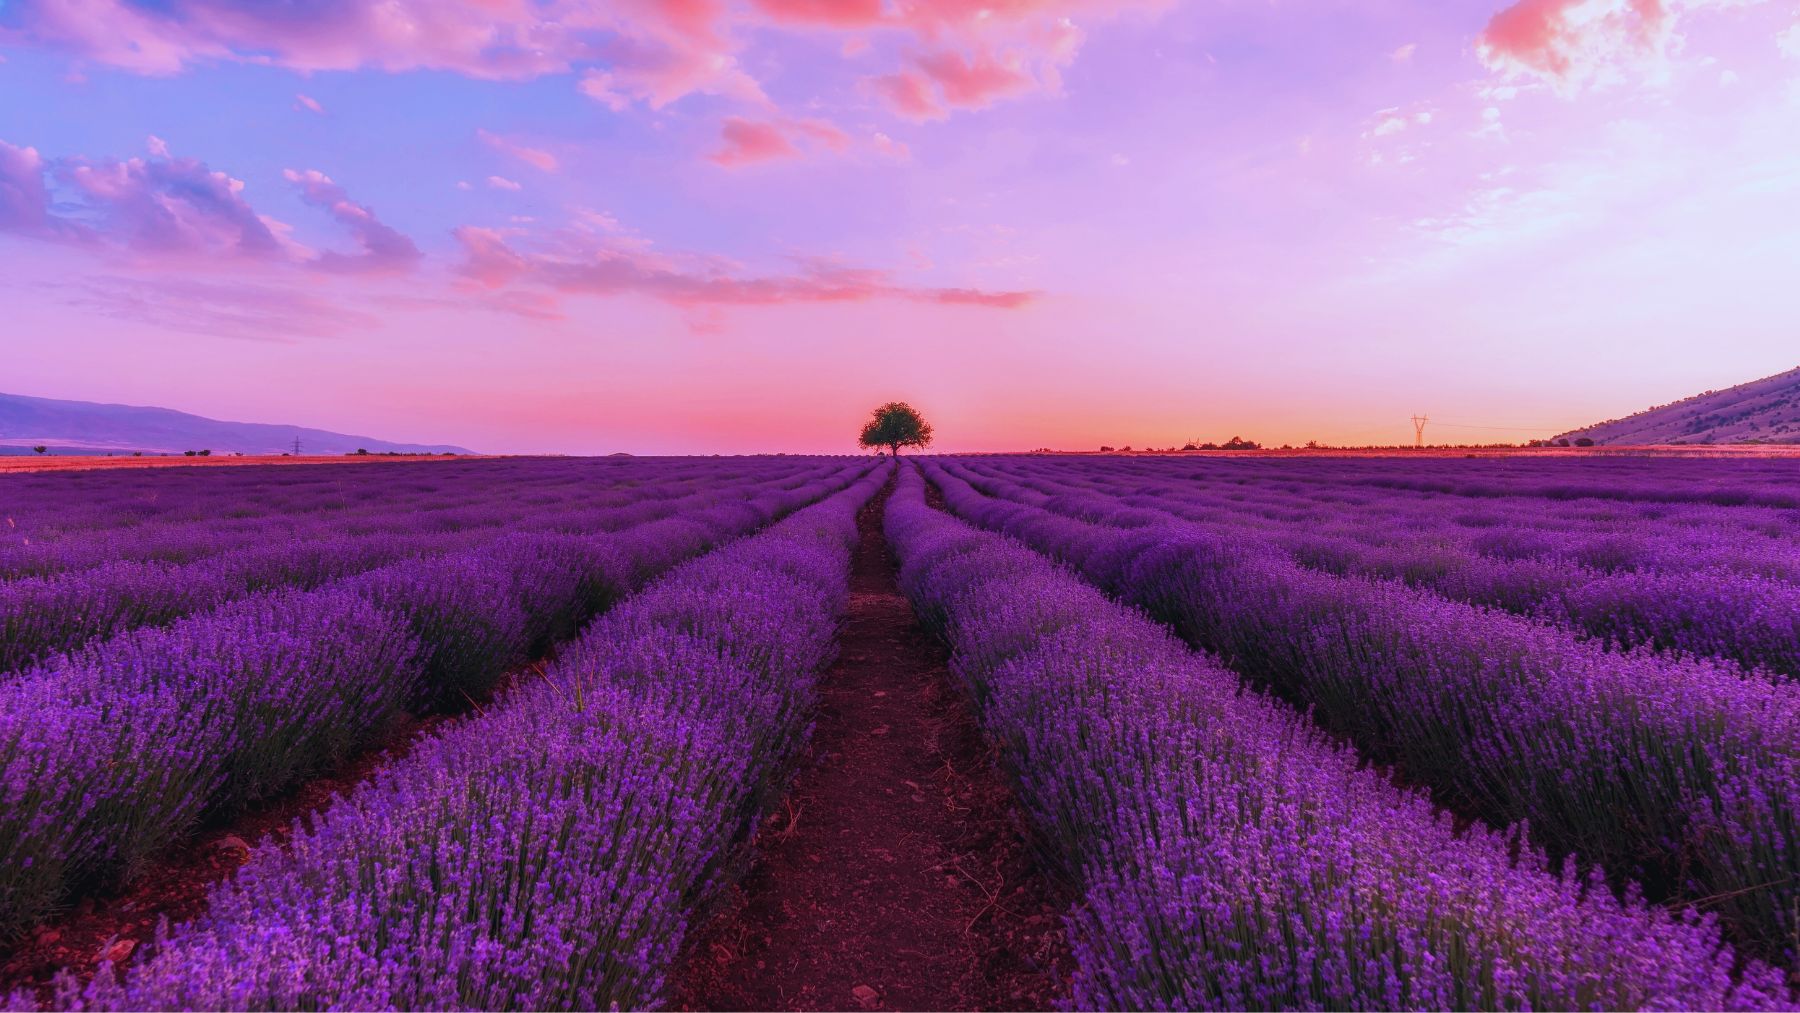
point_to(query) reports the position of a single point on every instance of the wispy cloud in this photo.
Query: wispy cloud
(596, 256)
(227, 309)
(383, 248)
(537, 158)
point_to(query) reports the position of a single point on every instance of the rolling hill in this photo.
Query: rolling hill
(87, 427)
(1761, 411)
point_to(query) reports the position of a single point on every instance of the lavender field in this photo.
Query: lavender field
(1265, 733)
(1439, 733)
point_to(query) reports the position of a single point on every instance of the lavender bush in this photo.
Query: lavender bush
(111, 754)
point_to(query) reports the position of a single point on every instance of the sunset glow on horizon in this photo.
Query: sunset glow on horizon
(696, 226)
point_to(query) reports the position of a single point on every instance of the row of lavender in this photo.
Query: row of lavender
(1231, 856)
(1640, 477)
(67, 521)
(546, 853)
(1649, 586)
(43, 615)
(110, 754)
(1680, 771)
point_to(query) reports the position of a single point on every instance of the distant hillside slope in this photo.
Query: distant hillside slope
(103, 428)
(1761, 411)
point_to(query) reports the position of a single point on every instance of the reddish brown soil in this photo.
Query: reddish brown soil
(176, 886)
(895, 875)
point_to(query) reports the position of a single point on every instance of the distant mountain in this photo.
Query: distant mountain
(86, 427)
(1761, 411)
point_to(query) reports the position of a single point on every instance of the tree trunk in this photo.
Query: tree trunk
(896, 447)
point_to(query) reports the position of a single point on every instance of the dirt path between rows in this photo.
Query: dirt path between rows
(895, 875)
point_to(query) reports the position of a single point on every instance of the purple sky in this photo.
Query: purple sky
(702, 225)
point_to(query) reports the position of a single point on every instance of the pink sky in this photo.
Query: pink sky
(706, 225)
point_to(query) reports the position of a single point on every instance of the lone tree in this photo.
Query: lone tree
(895, 425)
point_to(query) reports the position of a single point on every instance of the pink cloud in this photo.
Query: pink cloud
(595, 262)
(172, 209)
(161, 205)
(600, 86)
(502, 183)
(304, 101)
(909, 95)
(383, 248)
(537, 158)
(947, 79)
(974, 83)
(650, 51)
(820, 131)
(1570, 42)
(24, 197)
(886, 145)
(837, 13)
(975, 65)
(962, 21)
(745, 141)
(499, 40)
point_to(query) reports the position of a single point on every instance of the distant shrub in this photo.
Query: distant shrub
(41, 450)
(1583, 441)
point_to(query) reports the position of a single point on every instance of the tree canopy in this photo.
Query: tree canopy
(895, 425)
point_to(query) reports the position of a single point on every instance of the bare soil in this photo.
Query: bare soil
(896, 874)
